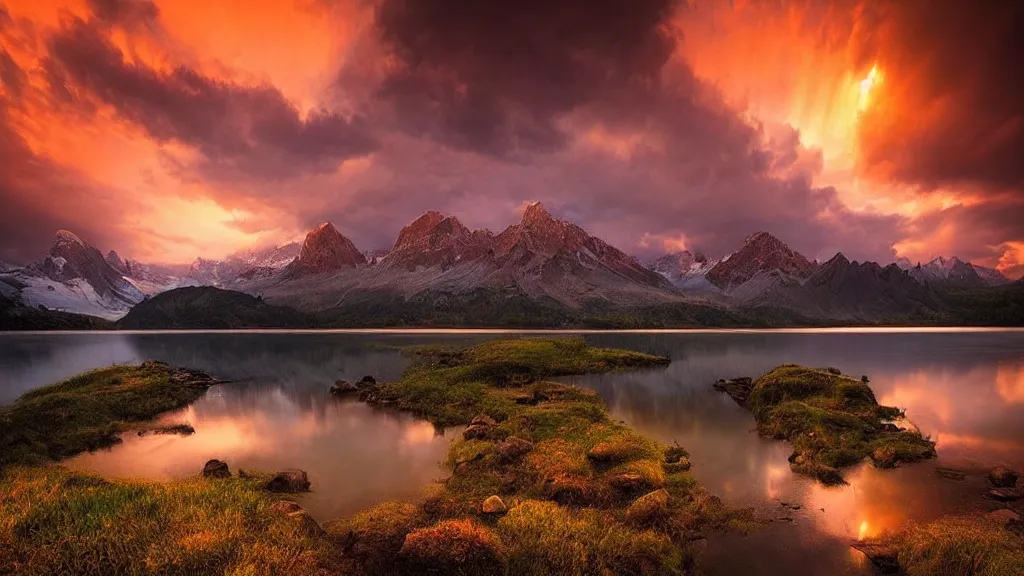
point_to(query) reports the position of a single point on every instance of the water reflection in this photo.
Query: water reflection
(355, 456)
(959, 388)
(964, 389)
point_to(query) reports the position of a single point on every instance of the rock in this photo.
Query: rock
(1002, 477)
(513, 448)
(884, 556)
(1004, 494)
(479, 427)
(648, 507)
(1004, 517)
(216, 469)
(682, 465)
(476, 432)
(605, 453)
(525, 399)
(493, 505)
(367, 382)
(289, 481)
(628, 482)
(343, 388)
(285, 507)
(889, 427)
(950, 474)
(454, 547)
(306, 524)
(483, 420)
(737, 388)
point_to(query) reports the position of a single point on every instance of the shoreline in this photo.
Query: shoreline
(511, 393)
(543, 331)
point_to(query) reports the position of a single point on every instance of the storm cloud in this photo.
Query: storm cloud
(249, 128)
(595, 108)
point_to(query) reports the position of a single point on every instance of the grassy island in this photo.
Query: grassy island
(832, 421)
(92, 410)
(543, 482)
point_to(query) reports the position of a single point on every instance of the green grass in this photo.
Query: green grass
(53, 521)
(567, 496)
(569, 475)
(960, 546)
(90, 411)
(832, 421)
(450, 386)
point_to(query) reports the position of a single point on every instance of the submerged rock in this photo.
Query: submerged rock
(950, 474)
(1002, 477)
(648, 507)
(1004, 494)
(288, 481)
(343, 388)
(493, 505)
(738, 389)
(216, 469)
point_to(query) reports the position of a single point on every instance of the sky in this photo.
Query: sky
(173, 129)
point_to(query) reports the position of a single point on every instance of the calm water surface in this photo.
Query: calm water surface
(964, 389)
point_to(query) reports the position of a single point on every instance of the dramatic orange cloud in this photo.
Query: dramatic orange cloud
(171, 129)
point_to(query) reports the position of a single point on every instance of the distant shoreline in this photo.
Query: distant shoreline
(431, 330)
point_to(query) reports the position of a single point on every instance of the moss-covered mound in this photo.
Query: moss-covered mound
(56, 522)
(833, 421)
(585, 494)
(91, 410)
(450, 386)
(960, 546)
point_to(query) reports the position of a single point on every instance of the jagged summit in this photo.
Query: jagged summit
(323, 251)
(80, 267)
(761, 253)
(436, 241)
(535, 213)
(838, 259)
(115, 261)
(67, 237)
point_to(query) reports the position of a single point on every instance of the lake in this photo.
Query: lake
(964, 388)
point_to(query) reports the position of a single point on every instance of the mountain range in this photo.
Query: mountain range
(541, 270)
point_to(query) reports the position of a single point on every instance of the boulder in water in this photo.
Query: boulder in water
(1002, 477)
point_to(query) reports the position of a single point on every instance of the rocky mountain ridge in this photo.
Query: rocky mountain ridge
(552, 261)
